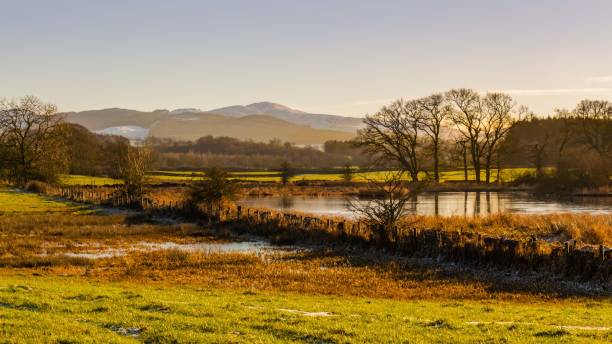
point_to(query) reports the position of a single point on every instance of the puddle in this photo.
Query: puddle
(133, 332)
(307, 314)
(207, 247)
(563, 327)
(255, 247)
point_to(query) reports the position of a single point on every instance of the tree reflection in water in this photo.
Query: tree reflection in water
(441, 204)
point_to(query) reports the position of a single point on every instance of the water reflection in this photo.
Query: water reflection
(442, 204)
(98, 252)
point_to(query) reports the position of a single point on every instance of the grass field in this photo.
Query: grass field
(268, 176)
(73, 179)
(16, 201)
(47, 309)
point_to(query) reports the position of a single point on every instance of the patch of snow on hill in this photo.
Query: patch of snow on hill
(186, 110)
(131, 132)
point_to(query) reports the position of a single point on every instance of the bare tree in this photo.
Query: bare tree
(499, 110)
(286, 172)
(435, 112)
(384, 213)
(393, 134)
(32, 136)
(459, 151)
(348, 173)
(596, 121)
(564, 136)
(538, 154)
(133, 165)
(468, 118)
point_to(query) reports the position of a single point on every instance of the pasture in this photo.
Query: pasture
(49, 309)
(17, 201)
(181, 177)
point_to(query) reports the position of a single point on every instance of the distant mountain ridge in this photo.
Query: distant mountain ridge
(319, 121)
(263, 121)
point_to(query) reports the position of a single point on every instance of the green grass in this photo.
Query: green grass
(188, 173)
(69, 310)
(73, 179)
(445, 176)
(265, 176)
(268, 176)
(16, 201)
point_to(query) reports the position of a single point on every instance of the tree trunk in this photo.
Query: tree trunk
(488, 168)
(465, 166)
(436, 163)
(414, 175)
(476, 163)
(498, 168)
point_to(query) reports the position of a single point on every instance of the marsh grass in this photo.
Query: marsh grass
(178, 296)
(41, 243)
(32, 236)
(586, 228)
(313, 273)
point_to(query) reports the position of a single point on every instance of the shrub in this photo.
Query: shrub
(36, 186)
(213, 191)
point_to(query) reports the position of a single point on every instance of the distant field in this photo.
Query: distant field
(157, 177)
(16, 201)
(73, 179)
(269, 176)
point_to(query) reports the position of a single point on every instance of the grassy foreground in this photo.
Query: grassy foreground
(43, 309)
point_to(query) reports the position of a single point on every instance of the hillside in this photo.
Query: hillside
(95, 120)
(258, 122)
(255, 127)
(318, 121)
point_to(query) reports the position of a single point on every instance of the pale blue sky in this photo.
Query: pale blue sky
(339, 57)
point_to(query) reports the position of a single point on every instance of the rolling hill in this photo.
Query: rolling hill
(253, 127)
(318, 121)
(259, 122)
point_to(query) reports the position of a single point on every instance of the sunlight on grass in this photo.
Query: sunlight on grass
(157, 177)
(73, 179)
(50, 309)
(16, 201)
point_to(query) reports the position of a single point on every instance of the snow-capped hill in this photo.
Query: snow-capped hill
(131, 132)
(318, 121)
(185, 110)
(261, 108)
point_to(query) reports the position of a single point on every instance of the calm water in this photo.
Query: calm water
(256, 247)
(443, 204)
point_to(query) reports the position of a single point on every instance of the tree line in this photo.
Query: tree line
(483, 133)
(458, 128)
(37, 144)
(408, 132)
(233, 153)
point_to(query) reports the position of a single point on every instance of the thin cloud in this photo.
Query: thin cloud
(553, 91)
(600, 79)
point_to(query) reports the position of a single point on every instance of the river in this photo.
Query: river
(443, 204)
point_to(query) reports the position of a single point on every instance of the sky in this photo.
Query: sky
(321, 56)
